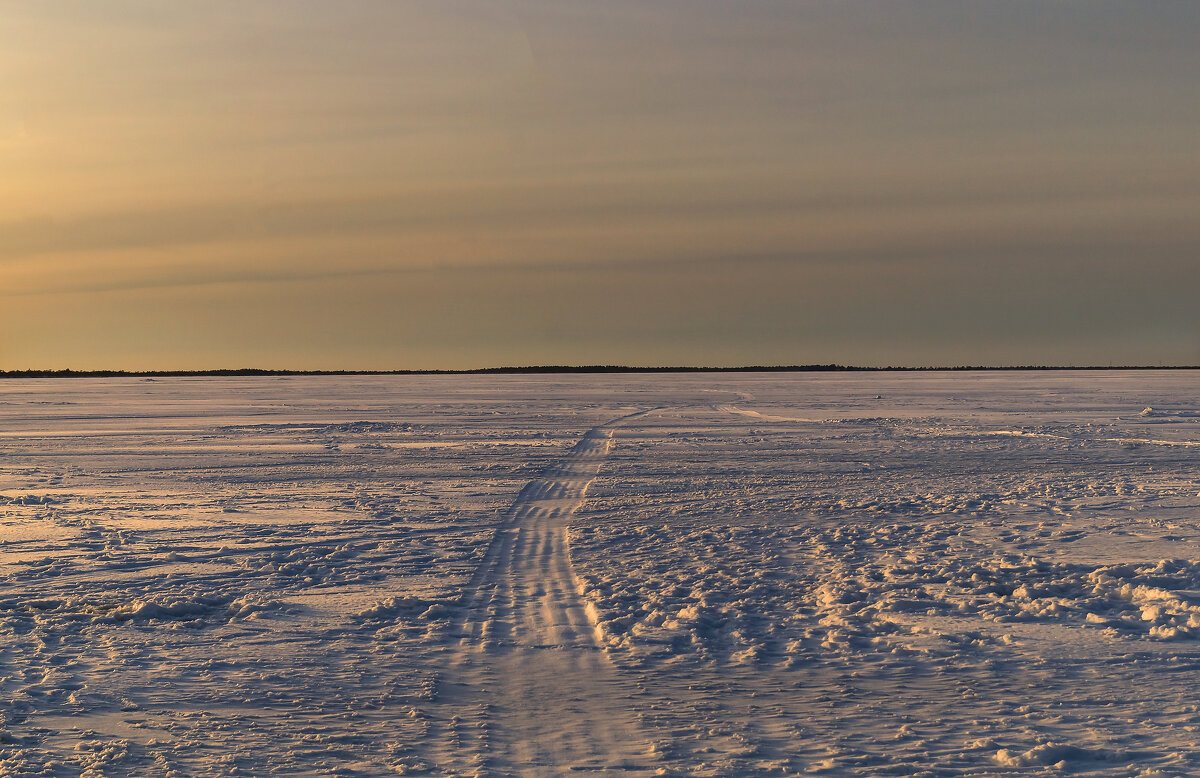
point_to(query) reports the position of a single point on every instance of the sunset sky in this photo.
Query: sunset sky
(459, 184)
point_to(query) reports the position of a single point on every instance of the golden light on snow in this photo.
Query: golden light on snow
(659, 574)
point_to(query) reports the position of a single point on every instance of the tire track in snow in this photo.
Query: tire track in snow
(762, 416)
(529, 690)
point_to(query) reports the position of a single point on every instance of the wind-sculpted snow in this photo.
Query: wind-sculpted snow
(718, 594)
(926, 574)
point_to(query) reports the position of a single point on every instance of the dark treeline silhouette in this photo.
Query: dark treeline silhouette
(546, 369)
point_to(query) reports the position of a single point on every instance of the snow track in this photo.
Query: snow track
(762, 416)
(953, 574)
(530, 691)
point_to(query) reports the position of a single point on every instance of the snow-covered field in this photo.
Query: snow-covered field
(843, 574)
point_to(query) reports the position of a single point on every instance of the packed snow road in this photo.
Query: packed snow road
(843, 574)
(530, 666)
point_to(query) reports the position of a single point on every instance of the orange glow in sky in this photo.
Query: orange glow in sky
(442, 185)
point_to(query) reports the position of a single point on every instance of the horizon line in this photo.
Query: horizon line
(567, 369)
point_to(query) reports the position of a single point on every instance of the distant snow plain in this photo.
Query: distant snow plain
(984, 573)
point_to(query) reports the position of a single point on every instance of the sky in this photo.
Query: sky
(383, 184)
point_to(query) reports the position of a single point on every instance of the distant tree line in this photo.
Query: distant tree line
(548, 369)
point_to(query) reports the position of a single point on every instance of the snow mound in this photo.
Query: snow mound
(169, 607)
(366, 427)
(1059, 755)
(28, 499)
(404, 607)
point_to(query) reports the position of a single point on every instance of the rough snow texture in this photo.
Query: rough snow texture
(935, 574)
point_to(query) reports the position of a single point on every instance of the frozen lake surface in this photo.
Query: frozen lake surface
(700, 574)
